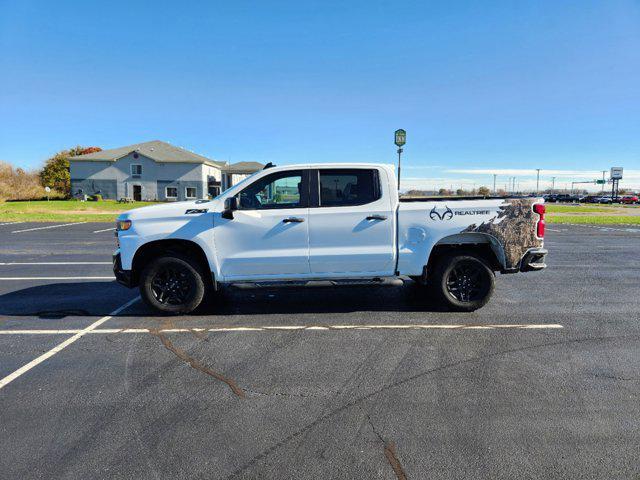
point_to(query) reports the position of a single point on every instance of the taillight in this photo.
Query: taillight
(539, 208)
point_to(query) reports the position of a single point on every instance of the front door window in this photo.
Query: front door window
(279, 190)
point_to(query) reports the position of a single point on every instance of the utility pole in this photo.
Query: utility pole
(537, 181)
(553, 184)
(494, 184)
(603, 184)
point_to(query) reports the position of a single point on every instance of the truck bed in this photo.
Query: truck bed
(456, 198)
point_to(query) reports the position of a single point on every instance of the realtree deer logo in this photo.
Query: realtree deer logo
(446, 215)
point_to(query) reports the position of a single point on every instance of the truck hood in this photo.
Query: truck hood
(168, 210)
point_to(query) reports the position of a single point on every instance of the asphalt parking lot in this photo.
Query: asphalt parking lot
(350, 382)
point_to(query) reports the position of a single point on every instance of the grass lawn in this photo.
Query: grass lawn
(553, 208)
(65, 211)
(593, 214)
(594, 219)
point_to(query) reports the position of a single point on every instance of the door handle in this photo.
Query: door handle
(376, 217)
(293, 220)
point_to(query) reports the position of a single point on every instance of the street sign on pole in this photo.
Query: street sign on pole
(616, 173)
(615, 176)
(600, 182)
(400, 140)
(48, 190)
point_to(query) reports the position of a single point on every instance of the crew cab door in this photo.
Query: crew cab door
(269, 233)
(351, 223)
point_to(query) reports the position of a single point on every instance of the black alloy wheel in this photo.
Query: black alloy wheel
(172, 284)
(464, 281)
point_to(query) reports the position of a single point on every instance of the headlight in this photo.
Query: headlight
(122, 225)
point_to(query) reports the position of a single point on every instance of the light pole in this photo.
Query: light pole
(400, 140)
(553, 184)
(494, 184)
(537, 181)
(603, 182)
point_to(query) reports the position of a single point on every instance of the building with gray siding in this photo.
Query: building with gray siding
(153, 170)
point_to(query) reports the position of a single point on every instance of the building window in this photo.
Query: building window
(171, 192)
(136, 170)
(190, 192)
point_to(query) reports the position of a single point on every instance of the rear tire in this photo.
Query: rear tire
(463, 282)
(172, 284)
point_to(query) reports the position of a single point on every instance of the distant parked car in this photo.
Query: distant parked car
(629, 199)
(550, 197)
(605, 199)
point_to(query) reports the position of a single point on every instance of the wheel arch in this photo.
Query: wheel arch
(482, 244)
(184, 248)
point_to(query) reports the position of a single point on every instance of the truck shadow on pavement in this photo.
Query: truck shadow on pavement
(59, 300)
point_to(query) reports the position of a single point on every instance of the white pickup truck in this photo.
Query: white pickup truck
(338, 222)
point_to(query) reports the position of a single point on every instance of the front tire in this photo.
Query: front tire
(463, 282)
(172, 284)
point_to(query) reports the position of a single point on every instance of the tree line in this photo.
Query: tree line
(19, 184)
(445, 192)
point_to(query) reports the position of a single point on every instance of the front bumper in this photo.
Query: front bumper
(533, 260)
(122, 276)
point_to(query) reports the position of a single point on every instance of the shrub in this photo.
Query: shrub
(18, 184)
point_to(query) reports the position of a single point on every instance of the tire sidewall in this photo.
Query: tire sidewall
(196, 293)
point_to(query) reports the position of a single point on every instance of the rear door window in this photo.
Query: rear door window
(343, 187)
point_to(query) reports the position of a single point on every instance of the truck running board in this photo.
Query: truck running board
(391, 281)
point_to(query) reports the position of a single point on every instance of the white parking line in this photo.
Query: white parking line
(105, 230)
(526, 326)
(50, 226)
(56, 263)
(13, 279)
(10, 223)
(81, 333)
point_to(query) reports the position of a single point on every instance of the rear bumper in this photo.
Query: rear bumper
(122, 276)
(533, 260)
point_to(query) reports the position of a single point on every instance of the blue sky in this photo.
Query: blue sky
(480, 87)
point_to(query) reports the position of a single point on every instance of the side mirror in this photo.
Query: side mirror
(230, 205)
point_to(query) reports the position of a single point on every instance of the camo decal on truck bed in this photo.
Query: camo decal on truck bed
(515, 228)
